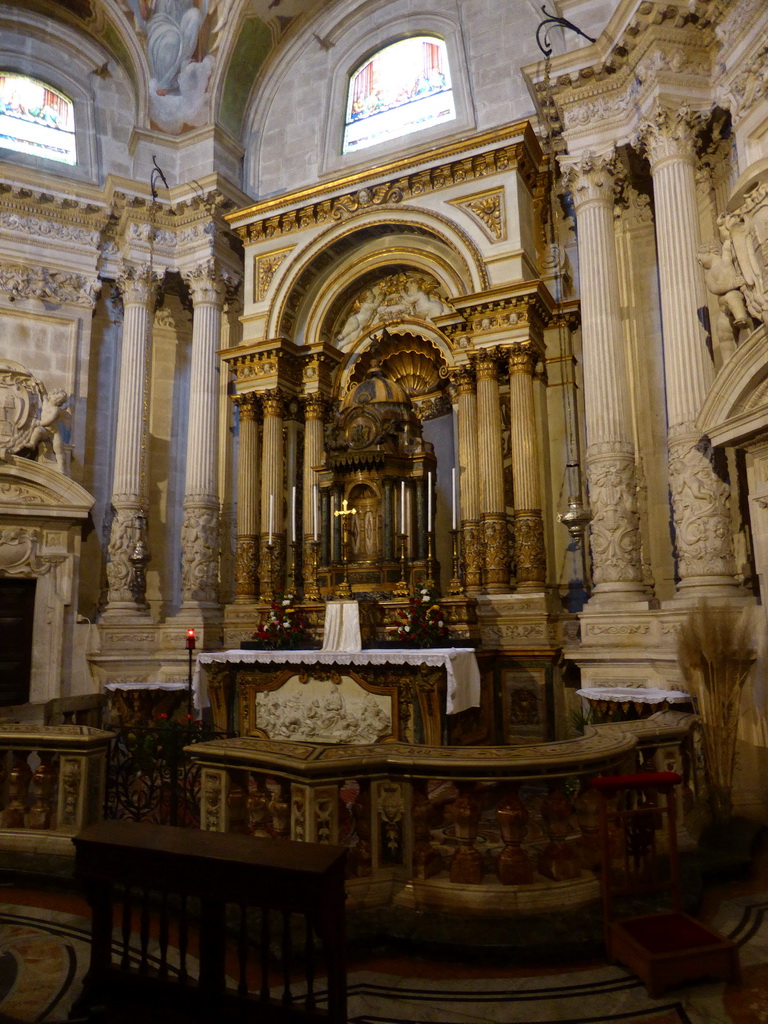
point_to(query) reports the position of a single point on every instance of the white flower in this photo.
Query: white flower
(441, 623)
(286, 625)
(407, 629)
(425, 599)
(286, 602)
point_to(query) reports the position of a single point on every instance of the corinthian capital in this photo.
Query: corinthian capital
(273, 402)
(137, 283)
(463, 381)
(669, 133)
(207, 283)
(486, 364)
(591, 177)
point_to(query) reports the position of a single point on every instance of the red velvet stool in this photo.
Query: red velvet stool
(662, 949)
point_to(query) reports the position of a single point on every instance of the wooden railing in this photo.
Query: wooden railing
(242, 896)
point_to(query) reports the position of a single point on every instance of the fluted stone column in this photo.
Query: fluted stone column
(272, 486)
(610, 457)
(248, 463)
(530, 555)
(493, 516)
(200, 525)
(700, 494)
(469, 490)
(126, 594)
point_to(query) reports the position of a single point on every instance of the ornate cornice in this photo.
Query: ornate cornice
(20, 282)
(404, 181)
(275, 361)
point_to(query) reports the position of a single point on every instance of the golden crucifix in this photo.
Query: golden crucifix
(344, 590)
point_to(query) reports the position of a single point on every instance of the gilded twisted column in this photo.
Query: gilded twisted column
(200, 524)
(272, 487)
(530, 555)
(610, 457)
(469, 496)
(127, 550)
(493, 516)
(700, 493)
(246, 556)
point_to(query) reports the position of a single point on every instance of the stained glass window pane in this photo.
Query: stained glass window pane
(36, 119)
(402, 89)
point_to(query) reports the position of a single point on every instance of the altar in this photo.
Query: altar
(370, 696)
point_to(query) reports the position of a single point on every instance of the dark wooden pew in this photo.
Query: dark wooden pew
(242, 895)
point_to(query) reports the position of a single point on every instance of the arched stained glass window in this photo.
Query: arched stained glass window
(36, 119)
(401, 89)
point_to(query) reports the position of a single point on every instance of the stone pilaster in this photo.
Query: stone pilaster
(610, 456)
(272, 488)
(700, 494)
(493, 516)
(246, 564)
(200, 524)
(530, 554)
(127, 549)
(469, 496)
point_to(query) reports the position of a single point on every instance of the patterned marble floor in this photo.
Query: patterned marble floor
(44, 949)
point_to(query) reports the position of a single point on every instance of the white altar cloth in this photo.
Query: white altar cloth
(460, 664)
(635, 695)
(342, 626)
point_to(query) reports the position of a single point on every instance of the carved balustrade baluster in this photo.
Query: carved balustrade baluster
(426, 859)
(258, 810)
(362, 856)
(19, 779)
(39, 815)
(280, 809)
(514, 866)
(587, 808)
(237, 802)
(558, 860)
(467, 861)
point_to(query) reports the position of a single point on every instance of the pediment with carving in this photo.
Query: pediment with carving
(30, 488)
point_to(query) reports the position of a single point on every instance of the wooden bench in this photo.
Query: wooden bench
(147, 884)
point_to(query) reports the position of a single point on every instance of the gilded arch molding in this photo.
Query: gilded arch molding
(301, 275)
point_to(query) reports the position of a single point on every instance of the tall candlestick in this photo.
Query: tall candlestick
(314, 507)
(453, 496)
(293, 514)
(271, 515)
(402, 506)
(429, 502)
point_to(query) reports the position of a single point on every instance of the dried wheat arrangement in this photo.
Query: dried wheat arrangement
(716, 651)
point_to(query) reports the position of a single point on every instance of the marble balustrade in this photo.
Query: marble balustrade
(52, 781)
(484, 829)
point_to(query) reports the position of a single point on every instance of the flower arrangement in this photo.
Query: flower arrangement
(422, 624)
(285, 628)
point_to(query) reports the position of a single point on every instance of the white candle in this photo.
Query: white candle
(314, 507)
(271, 515)
(429, 502)
(402, 506)
(453, 495)
(293, 514)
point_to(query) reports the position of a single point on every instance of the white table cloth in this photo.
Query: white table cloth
(460, 664)
(635, 694)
